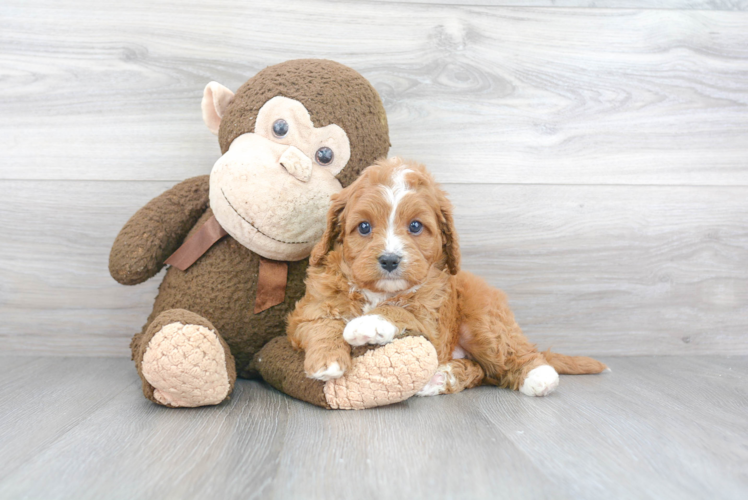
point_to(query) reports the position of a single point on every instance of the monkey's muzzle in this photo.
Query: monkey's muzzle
(271, 197)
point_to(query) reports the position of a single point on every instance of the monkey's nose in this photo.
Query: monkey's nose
(389, 261)
(297, 163)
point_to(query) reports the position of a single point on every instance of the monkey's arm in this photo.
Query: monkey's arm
(157, 230)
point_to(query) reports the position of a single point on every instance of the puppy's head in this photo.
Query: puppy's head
(391, 227)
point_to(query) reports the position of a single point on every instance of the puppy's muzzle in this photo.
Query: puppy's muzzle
(389, 262)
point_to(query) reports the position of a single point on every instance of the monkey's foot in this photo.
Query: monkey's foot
(385, 375)
(379, 375)
(186, 364)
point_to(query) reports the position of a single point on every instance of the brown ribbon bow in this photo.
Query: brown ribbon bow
(272, 277)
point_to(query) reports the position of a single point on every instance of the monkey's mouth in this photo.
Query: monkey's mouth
(255, 227)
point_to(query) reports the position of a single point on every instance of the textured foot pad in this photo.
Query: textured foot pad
(186, 365)
(383, 376)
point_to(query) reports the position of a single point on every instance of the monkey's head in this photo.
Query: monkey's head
(291, 136)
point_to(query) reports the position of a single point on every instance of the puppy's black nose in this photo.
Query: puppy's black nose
(389, 261)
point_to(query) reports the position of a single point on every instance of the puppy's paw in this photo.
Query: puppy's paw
(443, 382)
(325, 367)
(541, 381)
(331, 371)
(369, 329)
(437, 385)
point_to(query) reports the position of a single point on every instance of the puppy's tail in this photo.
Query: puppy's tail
(574, 365)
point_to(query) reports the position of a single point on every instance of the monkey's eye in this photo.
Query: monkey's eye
(415, 227)
(324, 156)
(280, 128)
(364, 228)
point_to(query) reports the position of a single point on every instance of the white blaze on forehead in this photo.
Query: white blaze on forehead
(394, 195)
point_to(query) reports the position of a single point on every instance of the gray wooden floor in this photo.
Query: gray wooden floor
(656, 427)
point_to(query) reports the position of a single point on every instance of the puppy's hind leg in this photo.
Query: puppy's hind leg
(490, 334)
(515, 363)
(454, 376)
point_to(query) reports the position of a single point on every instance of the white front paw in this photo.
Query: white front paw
(369, 329)
(541, 381)
(332, 371)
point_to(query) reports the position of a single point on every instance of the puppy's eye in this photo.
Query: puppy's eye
(364, 228)
(324, 156)
(280, 128)
(415, 227)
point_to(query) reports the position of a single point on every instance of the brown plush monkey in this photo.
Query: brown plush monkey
(238, 242)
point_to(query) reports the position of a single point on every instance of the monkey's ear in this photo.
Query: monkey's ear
(216, 98)
(333, 230)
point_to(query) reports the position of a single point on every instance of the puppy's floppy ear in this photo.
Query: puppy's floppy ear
(334, 228)
(450, 245)
(336, 220)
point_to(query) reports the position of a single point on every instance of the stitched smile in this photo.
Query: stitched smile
(255, 227)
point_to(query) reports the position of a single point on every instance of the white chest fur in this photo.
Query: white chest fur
(373, 299)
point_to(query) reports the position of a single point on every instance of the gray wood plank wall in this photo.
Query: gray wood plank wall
(596, 151)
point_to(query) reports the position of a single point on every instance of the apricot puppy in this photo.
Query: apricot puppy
(388, 266)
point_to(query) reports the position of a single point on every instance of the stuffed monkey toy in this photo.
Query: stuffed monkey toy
(237, 244)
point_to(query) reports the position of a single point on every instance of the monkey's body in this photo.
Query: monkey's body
(203, 330)
(221, 287)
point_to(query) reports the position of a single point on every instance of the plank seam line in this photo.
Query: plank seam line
(547, 7)
(443, 183)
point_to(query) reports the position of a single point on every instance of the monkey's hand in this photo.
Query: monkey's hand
(157, 230)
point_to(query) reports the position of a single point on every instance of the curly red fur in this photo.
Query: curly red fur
(427, 294)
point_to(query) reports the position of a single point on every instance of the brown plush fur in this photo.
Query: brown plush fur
(429, 294)
(332, 92)
(157, 230)
(221, 286)
(282, 366)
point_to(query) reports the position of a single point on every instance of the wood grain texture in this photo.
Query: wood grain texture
(588, 269)
(481, 94)
(54, 267)
(651, 414)
(42, 399)
(592, 153)
(740, 5)
(656, 427)
(654, 270)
